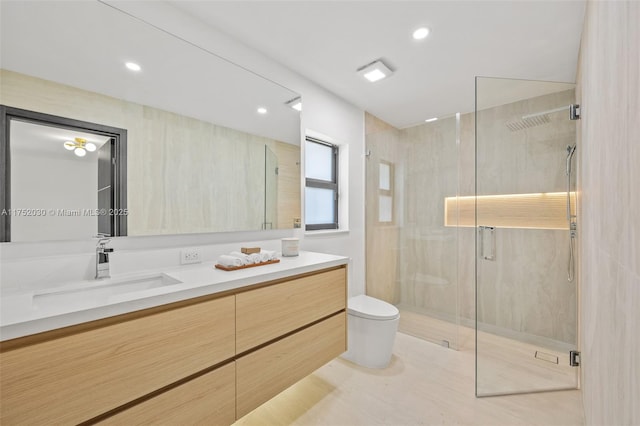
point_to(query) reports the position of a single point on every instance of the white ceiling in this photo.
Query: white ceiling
(326, 41)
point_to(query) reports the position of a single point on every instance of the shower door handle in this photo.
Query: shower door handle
(488, 245)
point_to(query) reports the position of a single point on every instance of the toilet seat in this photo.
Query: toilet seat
(364, 306)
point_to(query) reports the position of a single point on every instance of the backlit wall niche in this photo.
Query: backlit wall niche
(546, 210)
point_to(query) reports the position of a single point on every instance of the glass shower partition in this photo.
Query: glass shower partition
(411, 242)
(526, 304)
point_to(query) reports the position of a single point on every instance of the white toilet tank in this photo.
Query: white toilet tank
(372, 326)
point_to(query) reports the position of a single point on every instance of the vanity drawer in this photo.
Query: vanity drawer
(268, 371)
(78, 376)
(206, 400)
(270, 312)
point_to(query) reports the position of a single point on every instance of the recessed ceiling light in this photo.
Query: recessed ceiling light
(421, 33)
(374, 75)
(133, 66)
(262, 110)
(375, 71)
(429, 120)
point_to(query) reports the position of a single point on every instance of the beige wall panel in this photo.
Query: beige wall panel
(609, 207)
(382, 239)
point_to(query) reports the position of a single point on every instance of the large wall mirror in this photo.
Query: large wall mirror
(189, 143)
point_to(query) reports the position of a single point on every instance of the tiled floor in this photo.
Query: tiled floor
(425, 384)
(505, 365)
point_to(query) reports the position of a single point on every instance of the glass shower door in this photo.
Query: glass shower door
(526, 296)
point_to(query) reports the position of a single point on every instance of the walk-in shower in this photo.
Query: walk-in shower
(526, 314)
(466, 231)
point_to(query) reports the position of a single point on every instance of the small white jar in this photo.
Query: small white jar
(290, 247)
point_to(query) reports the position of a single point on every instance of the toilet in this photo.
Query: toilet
(372, 326)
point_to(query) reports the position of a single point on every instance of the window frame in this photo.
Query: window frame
(323, 184)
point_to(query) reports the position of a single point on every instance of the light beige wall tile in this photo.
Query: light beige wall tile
(527, 290)
(429, 271)
(382, 245)
(609, 89)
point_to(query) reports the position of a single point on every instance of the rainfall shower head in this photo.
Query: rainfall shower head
(527, 122)
(532, 120)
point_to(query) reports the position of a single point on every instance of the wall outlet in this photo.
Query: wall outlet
(191, 255)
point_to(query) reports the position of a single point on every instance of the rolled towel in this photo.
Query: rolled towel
(229, 261)
(243, 257)
(255, 258)
(268, 255)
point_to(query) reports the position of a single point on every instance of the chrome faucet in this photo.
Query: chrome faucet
(102, 258)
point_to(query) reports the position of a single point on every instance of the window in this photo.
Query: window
(321, 187)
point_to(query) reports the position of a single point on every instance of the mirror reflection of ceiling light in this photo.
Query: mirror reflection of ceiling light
(375, 71)
(295, 103)
(429, 120)
(133, 66)
(79, 146)
(262, 110)
(421, 33)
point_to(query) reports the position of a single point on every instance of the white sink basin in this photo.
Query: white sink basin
(100, 290)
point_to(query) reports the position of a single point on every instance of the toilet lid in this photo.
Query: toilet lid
(369, 307)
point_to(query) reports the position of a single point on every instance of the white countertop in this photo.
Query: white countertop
(21, 316)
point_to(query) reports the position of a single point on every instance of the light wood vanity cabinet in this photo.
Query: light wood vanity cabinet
(184, 363)
(268, 371)
(266, 313)
(209, 399)
(73, 378)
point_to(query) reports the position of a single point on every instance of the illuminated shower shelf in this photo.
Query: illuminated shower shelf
(547, 210)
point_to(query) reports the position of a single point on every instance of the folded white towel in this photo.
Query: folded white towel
(229, 261)
(268, 255)
(241, 256)
(255, 258)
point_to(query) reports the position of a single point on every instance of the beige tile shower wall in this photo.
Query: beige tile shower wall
(524, 161)
(526, 289)
(433, 267)
(173, 160)
(429, 249)
(382, 245)
(529, 293)
(609, 239)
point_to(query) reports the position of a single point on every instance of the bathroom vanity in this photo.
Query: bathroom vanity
(209, 358)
